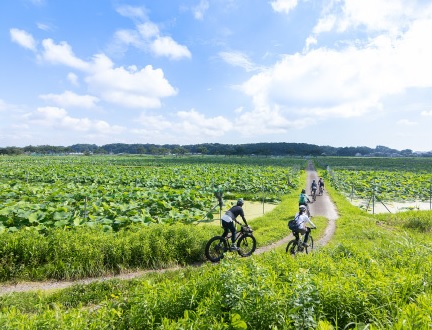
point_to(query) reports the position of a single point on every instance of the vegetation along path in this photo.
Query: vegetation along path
(323, 206)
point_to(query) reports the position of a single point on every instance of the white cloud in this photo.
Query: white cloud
(147, 37)
(391, 16)
(423, 113)
(128, 86)
(70, 99)
(58, 118)
(23, 38)
(186, 124)
(193, 123)
(73, 78)
(61, 54)
(200, 9)
(238, 59)
(166, 46)
(346, 83)
(132, 12)
(43, 26)
(148, 30)
(283, 5)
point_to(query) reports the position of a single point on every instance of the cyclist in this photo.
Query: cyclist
(302, 219)
(303, 199)
(229, 218)
(314, 187)
(321, 185)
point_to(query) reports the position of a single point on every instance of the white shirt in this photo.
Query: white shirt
(303, 220)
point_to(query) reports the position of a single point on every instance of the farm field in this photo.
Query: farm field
(382, 184)
(374, 274)
(75, 217)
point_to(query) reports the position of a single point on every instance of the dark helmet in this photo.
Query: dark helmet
(240, 202)
(303, 191)
(302, 208)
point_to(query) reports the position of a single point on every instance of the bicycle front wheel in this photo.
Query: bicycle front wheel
(292, 247)
(311, 245)
(215, 248)
(246, 245)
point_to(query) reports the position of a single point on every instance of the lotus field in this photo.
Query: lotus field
(404, 179)
(116, 192)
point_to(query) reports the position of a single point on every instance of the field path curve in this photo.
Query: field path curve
(323, 206)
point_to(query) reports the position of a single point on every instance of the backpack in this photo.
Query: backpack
(292, 224)
(302, 198)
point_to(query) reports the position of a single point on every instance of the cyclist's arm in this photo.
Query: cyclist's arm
(243, 217)
(311, 223)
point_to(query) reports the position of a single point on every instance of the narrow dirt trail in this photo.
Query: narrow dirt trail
(323, 206)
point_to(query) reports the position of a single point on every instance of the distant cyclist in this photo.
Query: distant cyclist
(321, 185)
(229, 218)
(314, 187)
(302, 220)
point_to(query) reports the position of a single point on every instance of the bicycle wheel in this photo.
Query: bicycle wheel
(215, 248)
(311, 245)
(292, 247)
(246, 245)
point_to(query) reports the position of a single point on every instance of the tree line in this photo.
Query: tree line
(257, 149)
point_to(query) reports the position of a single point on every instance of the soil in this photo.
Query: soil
(323, 206)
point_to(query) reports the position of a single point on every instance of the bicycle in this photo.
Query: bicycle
(321, 190)
(313, 194)
(296, 245)
(218, 245)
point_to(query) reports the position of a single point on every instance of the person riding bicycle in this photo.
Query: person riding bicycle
(314, 187)
(321, 185)
(303, 199)
(302, 219)
(229, 218)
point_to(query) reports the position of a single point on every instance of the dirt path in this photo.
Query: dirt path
(323, 206)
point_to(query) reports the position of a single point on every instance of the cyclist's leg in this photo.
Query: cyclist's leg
(225, 228)
(307, 231)
(232, 228)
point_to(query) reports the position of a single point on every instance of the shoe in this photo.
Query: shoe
(234, 248)
(305, 245)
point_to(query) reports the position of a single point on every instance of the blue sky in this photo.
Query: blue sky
(338, 72)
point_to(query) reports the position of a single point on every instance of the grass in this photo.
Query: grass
(374, 274)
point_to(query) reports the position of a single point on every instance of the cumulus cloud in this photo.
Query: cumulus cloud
(125, 86)
(132, 87)
(61, 54)
(391, 16)
(284, 6)
(70, 99)
(58, 118)
(188, 124)
(147, 37)
(23, 39)
(345, 82)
